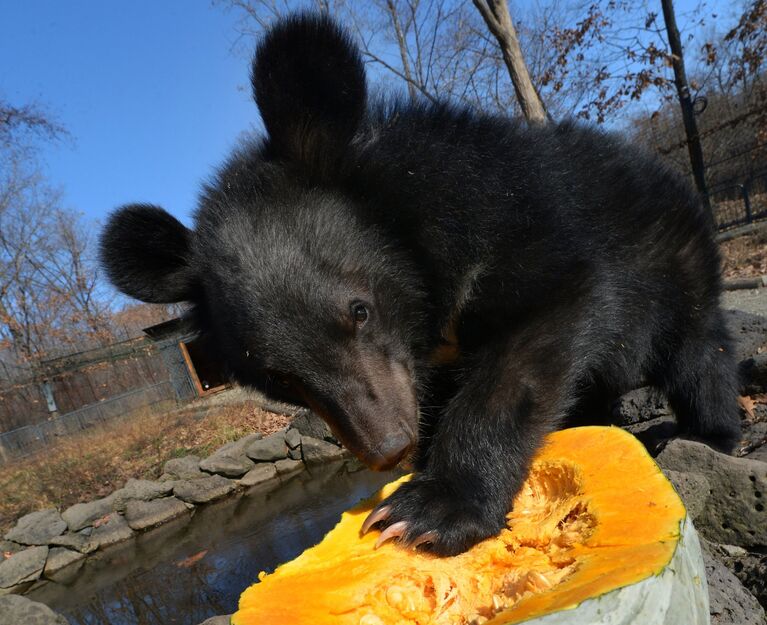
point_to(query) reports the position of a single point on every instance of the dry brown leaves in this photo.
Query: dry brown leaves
(747, 403)
(745, 257)
(92, 465)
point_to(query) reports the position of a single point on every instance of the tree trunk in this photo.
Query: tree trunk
(498, 19)
(685, 101)
(402, 48)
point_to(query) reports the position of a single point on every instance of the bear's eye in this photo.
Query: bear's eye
(360, 314)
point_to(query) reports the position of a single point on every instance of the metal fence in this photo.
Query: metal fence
(740, 204)
(31, 438)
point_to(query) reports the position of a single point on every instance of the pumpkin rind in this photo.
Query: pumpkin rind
(676, 595)
(597, 535)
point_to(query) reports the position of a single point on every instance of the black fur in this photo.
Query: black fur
(407, 268)
(311, 103)
(147, 254)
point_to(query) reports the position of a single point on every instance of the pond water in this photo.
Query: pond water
(194, 568)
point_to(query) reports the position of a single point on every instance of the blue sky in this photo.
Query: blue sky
(150, 92)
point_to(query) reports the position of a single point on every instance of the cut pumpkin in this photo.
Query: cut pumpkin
(596, 535)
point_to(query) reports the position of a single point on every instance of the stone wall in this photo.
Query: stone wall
(47, 543)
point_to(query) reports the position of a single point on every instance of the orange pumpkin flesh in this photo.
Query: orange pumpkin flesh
(595, 514)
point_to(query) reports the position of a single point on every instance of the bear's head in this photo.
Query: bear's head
(303, 295)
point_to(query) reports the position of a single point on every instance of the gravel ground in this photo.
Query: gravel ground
(753, 301)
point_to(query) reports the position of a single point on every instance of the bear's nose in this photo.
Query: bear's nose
(390, 452)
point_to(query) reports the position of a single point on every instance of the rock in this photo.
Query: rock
(655, 433)
(729, 602)
(309, 424)
(142, 490)
(218, 620)
(78, 542)
(293, 438)
(228, 467)
(640, 405)
(204, 489)
(754, 436)
(9, 547)
(37, 528)
(114, 530)
(288, 467)
(258, 475)
(59, 558)
(24, 566)
(268, 449)
(753, 374)
(692, 488)
(734, 513)
(353, 465)
(749, 332)
(760, 454)
(186, 468)
(755, 432)
(315, 451)
(750, 568)
(18, 589)
(230, 460)
(224, 465)
(66, 575)
(81, 515)
(143, 514)
(730, 550)
(295, 454)
(18, 610)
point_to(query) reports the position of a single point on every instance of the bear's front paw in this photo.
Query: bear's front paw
(430, 515)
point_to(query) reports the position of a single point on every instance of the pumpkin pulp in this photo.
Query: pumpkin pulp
(595, 514)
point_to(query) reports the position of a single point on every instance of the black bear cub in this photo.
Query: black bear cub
(439, 285)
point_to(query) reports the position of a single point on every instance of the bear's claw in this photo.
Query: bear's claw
(378, 515)
(424, 539)
(429, 515)
(395, 530)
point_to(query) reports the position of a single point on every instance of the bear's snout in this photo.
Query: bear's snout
(372, 409)
(390, 452)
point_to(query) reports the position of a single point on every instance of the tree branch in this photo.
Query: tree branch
(498, 19)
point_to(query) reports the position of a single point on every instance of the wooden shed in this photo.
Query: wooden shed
(194, 372)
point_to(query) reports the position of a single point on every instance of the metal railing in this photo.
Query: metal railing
(31, 438)
(740, 204)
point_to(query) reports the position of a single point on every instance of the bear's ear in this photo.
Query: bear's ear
(146, 253)
(309, 83)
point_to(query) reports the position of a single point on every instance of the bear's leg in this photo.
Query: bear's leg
(702, 387)
(481, 449)
(594, 404)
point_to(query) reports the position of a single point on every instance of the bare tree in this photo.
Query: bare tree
(749, 39)
(728, 86)
(17, 121)
(132, 318)
(498, 19)
(435, 40)
(50, 294)
(599, 60)
(24, 205)
(587, 58)
(685, 98)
